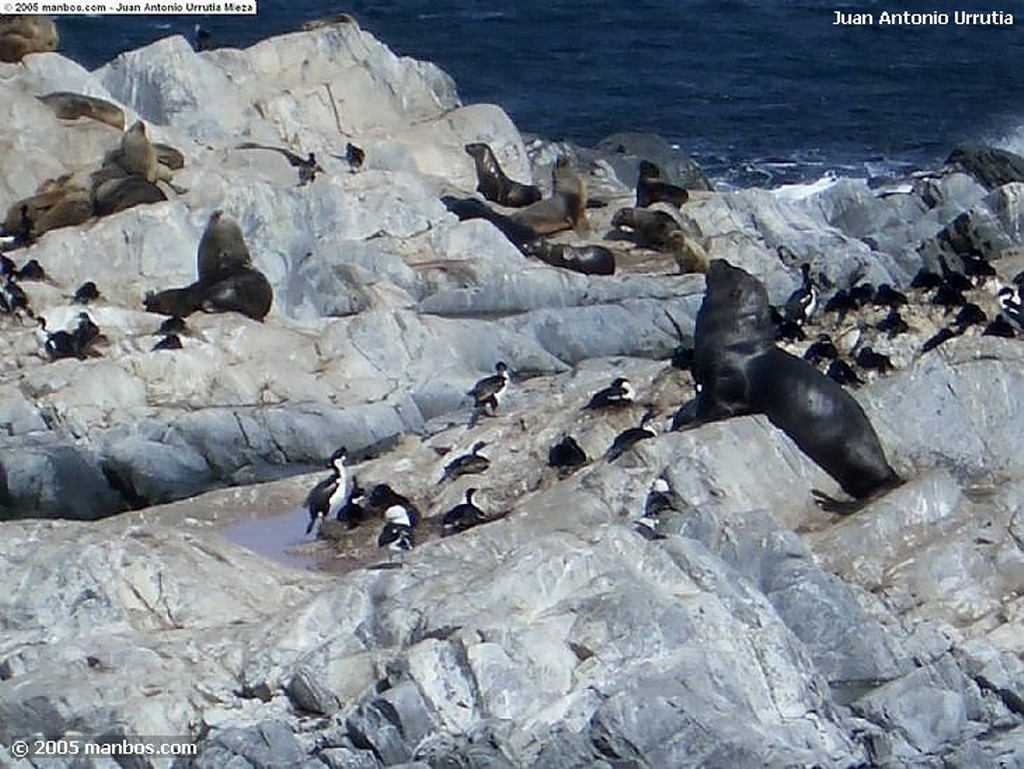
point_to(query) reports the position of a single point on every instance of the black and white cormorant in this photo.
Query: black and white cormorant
(629, 438)
(57, 344)
(464, 515)
(467, 464)
(329, 495)
(487, 392)
(619, 393)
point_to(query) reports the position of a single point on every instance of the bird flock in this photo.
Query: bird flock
(872, 315)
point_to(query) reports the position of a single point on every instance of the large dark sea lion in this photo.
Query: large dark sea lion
(739, 370)
(589, 260)
(492, 182)
(247, 291)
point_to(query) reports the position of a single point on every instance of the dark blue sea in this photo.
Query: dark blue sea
(759, 92)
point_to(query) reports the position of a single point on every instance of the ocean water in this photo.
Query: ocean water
(760, 92)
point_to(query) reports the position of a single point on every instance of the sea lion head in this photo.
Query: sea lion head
(648, 170)
(735, 311)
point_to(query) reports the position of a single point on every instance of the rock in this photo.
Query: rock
(624, 151)
(990, 166)
(759, 631)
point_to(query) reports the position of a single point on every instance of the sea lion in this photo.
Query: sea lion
(71, 106)
(138, 156)
(739, 370)
(650, 189)
(650, 229)
(492, 182)
(473, 208)
(120, 193)
(329, 21)
(59, 203)
(246, 290)
(222, 250)
(589, 260)
(227, 280)
(176, 302)
(565, 209)
(21, 35)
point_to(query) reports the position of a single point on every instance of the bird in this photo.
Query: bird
(85, 334)
(840, 303)
(940, 337)
(893, 322)
(820, 349)
(862, 294)
(887, 296)
(352, 513)
(463, 516)
(566, 455)
(867, 358)
(953, 278)
(330, 494)
(354, 156)
(977, 267)
(660, 498)
(168, 342)
(175, 324)
(927, 280)
(13, 299)
(308, 167)
(840, 371)
(396, 507)
(487, 392)
(619, 393)
(1000, 327)
(21, 235)
(629, 438)
(57, 344)
(204, 40)
(970, 315)
(949, 297)
(467, 464)
(85, 293)
(397, 537)
(802, 303)
(31, 270)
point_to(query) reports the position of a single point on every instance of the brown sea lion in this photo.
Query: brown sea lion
(565, 209)
(739, 370)
(70, 106)
(222, 250)
(121, 193)
(59, 203)
(492, 182)
(650, 229)
(21, 35)
(139, 157)
(650, 189)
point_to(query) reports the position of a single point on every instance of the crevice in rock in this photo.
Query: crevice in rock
(124, 487)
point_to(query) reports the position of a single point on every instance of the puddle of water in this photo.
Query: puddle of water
(280, 537)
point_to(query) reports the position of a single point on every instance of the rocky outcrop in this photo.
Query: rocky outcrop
(758, 631)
